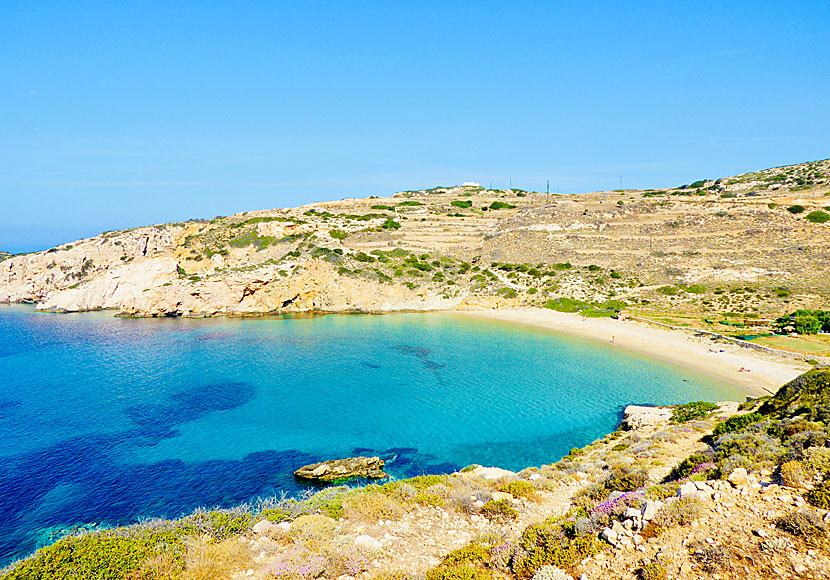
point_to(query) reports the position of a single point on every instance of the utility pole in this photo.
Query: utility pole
(511, 183)
(547, 186)
(620, 181)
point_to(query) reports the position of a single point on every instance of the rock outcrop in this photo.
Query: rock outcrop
(343, 469)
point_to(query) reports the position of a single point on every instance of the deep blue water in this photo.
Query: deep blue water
(106, 420)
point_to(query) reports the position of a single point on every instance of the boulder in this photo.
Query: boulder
(343, 469)
(491, 473)
(739, 477)
(637, 416)
(650, 509)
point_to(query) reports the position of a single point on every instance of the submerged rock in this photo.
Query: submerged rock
(343, 469)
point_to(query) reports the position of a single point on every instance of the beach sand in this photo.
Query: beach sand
(766, 372)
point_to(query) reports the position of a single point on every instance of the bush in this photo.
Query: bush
(501, 205)
(566, 305)
(793, 473)
(390, 224)
(458, 573)
(499, 510)
(693, 410)
(736, 423)
(470, 554)
(218, 524)
(462, 204)
(802, 523)
(795, 209)
(338, 234)
(818, 459)
(520, 488)
(677, 513)
(818, 217)
(625, 479)
(819, 496)
(711, 558)
(652, 571)
(110, 555)
(688, 465)
(387, 207)
(552, 544)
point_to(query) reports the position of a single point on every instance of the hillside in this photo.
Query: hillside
(754, 245)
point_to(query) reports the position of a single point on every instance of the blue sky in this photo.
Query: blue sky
(128, 113)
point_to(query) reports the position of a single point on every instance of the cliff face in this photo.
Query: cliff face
(456, 247)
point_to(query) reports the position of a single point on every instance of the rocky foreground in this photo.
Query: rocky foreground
(756, 243)
(694, 491)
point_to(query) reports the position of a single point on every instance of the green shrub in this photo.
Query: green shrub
(387, 207)
(626, 479)
(363, 257)
(458, 573)
(110, 555)
(499, 510)
(338, 234)
(566, 305)
(552, 544)
(795, 209)
(818, 217)
(695, 289)
(501, 205)
(802, 523)
(470, 554)
(736, 423)
(692, 410)
(409, 203)
(462, 204)
(667, 290)
(520, 488)
(390, 224)
(819, 496)
(616, 275)
(218, 524)
(652, 571)
(685, 467)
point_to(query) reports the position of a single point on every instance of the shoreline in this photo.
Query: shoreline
(766, 372)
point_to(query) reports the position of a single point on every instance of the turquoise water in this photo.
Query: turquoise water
(108, 420)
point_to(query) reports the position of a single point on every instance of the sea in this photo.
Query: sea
(106, 421)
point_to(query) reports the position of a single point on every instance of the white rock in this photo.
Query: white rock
(264, 527)
(534, 477)
(650, 508)
(284, 526)
(609, 536)
(491, 473)
(739, 477)
(637, 416)
(632, 513)
(367, 542)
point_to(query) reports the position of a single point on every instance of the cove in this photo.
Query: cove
(108, 420)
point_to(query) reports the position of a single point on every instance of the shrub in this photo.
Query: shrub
(458, 573)
(218, 524)
(470, 554)
(390, 224)
(616, 275)
(736, 423)
(552, 544)
(677, 513)
(499, 510)
(207, 560)
(109, 555)
(372, 505)
(695, 289)
(625, 479)
(693, 410)
(795, 209)
(667, 290)
(819, 496)
(653, 570)
(818, 459)
(685, 467)
(387, 207)
(409, 203)
(802, 523)
(711, 558)
(338, 234)
(818, 217)
(793, 473)
(566, 305)
(501, 205)
(520, 488)
(462, 204)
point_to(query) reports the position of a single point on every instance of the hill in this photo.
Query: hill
(753, 245)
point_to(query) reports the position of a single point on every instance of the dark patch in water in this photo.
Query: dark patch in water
(157, 421)
(370, 365)
(422, 354)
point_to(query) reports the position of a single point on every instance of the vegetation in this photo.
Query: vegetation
(795, 209)
(804, 322)
(818, 217)
(693, 410)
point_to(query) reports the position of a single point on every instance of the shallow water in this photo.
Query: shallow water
(108, 420)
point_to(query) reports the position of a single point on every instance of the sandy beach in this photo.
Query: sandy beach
(764, 373)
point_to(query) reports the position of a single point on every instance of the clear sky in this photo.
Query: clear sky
(118, 114)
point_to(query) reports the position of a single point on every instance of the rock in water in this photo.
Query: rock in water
(343, 469)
